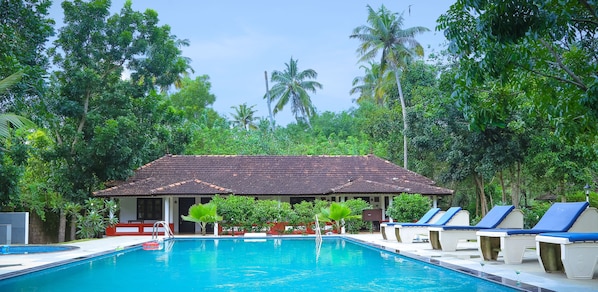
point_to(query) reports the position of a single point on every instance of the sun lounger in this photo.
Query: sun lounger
(387, 229)
(447, 237)
(560, 217)
(574, 253)
(408, 231)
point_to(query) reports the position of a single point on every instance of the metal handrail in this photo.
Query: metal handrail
(318, 239)
(318, 231)
(167, 232)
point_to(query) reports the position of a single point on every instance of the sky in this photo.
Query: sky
(234, 42)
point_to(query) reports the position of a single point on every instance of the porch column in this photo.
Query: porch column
(434, 201)
(389, 205)
(383, 206)
(167, 210)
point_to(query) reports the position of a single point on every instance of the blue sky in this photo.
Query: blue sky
(234, 42)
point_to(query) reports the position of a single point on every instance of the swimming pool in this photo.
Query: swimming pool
(250, 265)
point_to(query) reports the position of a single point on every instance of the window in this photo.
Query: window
(149, 209)
(297, 200)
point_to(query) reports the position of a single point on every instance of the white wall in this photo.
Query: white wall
(128, 209)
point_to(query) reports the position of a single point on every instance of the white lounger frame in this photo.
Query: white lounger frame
(389, 230)
(578, 259)
(408, 233)
(448, 240)
(512, 247)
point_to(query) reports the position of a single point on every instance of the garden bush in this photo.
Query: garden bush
(533, 213)
(357, 206)
(408, 207)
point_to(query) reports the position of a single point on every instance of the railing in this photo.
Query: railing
(318, 238)
(167, 232)
(318, 231)
(133, 229)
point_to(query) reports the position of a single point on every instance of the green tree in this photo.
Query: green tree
(104, 126)
(10, 163)
(397, 46)
(25, 29)
(203, 214)
(293, 85)
(243, 116)
(9, 121)
(193, 97)
(381, 124)
(545, 48)
(374, 85)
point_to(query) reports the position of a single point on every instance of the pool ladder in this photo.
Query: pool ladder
(318, 231)
(167, 232)
(318, 239)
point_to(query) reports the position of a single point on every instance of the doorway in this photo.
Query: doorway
(186, 226)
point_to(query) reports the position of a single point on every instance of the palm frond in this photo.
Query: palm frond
(10, 121)
(10, 81)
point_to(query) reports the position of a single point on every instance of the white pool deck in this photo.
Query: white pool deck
(530, 270)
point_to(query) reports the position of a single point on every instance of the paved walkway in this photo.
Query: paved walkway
(530, 270)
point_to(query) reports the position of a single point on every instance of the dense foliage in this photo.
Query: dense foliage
(408, 208)
(507, 115)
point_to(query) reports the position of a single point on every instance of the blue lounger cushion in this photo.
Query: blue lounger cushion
(429, 215)
(424, 219)
(574, 236)
(491, 220)
(558, 218)
(446, 217)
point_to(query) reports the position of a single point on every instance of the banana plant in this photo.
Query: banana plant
(202, 214)
(336, 214)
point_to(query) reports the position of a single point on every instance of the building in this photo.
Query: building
(164, 189)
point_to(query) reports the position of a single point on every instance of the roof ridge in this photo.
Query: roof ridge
(179, 183)
(262, 155)
(123, 184)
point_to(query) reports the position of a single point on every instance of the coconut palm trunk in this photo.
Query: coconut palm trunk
(404, 111)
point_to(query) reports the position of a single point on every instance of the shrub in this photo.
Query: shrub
(580, 196)
(97, 215)
(357, 206)
(408, 207)
(304, 214)
(235, 210)
(533, 213)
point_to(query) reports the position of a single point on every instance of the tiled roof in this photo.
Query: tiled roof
(272, 175)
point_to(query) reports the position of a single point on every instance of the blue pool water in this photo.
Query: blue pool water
(239, 265)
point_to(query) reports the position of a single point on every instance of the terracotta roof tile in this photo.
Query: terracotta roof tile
(271, 175)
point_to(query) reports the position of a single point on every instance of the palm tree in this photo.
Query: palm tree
(373, 85)
(243, 116)
(398, 47)
(337, 213)
(293, 85)
(8, 120)
(203, 214)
